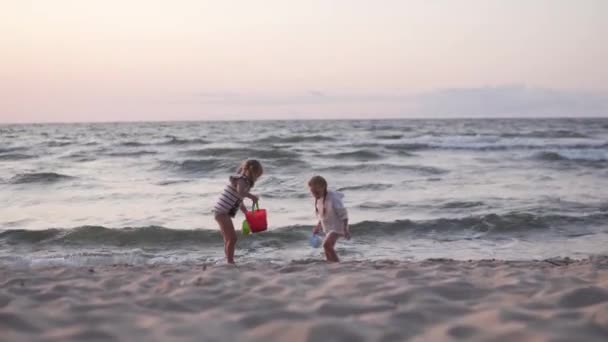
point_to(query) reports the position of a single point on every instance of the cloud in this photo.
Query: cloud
(317, 93)
(497, 101)
(511, 101)
(311, 97)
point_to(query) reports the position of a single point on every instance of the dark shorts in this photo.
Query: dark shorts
(218, 210)
(234, 210)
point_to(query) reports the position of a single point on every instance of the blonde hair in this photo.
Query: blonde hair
(249, 168)
(319, 181)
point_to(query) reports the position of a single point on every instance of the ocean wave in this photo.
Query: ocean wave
(428, 170)
(394, 204)
(370, 186)
(389, 136)
(179, 141)
(490, 146)
(130, 154)
(294, 139)
(403, 153)
(513, 222)
(16, 156)
(491, 224)
(546, 134)
(461, 204)
(269, 157)
(132, 144)
(93, 235)
(584, 157)
(11, 149)
(58, 143)
(172, 181)
(357, 155)
(408, 147)
(286, 162)
(156, 236)
(380, 205)
(171, 140)
(38, 177)
(286, 194)
(81, 156)
(378, 127)
(242, 153)
(192, 166)
(551, 156)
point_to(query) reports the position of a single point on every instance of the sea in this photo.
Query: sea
(88, 194)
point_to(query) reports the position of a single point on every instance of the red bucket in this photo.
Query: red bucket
(257, 219)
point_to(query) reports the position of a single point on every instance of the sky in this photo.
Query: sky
(112, 60)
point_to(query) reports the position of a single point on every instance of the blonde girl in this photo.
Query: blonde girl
(231, 200)
(331, 214)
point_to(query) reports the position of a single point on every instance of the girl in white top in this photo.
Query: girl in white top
(231, 200)
(331, 215)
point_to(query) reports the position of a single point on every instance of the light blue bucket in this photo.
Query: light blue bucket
(315, 241)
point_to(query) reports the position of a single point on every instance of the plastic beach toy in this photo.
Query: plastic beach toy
(255, 220)
(245, 228)
(315, 241)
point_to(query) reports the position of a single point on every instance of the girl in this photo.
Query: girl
(331, 215)
(232, 199)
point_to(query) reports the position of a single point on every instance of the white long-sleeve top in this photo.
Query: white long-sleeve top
(333, 213)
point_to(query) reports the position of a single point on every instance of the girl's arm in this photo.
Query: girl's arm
(243, 208)
(346, 230)
(317, 228)
(253, 197)
(242, 188)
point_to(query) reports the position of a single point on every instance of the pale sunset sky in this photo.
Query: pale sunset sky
(85, 60)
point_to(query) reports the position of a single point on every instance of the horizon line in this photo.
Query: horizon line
(301, 119)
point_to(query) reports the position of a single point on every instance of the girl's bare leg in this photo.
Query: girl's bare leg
(328, 245)
(229, 234)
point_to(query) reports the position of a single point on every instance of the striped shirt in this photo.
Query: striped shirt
(229, 200)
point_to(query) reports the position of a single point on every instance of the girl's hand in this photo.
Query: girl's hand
(347, 232)
(254, 198)
(316, 229)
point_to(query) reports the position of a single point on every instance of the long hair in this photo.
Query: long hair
(249, 168)
(319, 181)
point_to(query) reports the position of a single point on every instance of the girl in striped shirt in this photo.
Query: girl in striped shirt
(231, 200)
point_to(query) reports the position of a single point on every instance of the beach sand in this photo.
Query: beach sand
(432, 300)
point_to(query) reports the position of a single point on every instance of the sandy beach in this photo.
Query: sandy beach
(453, 155)
(432, 300)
